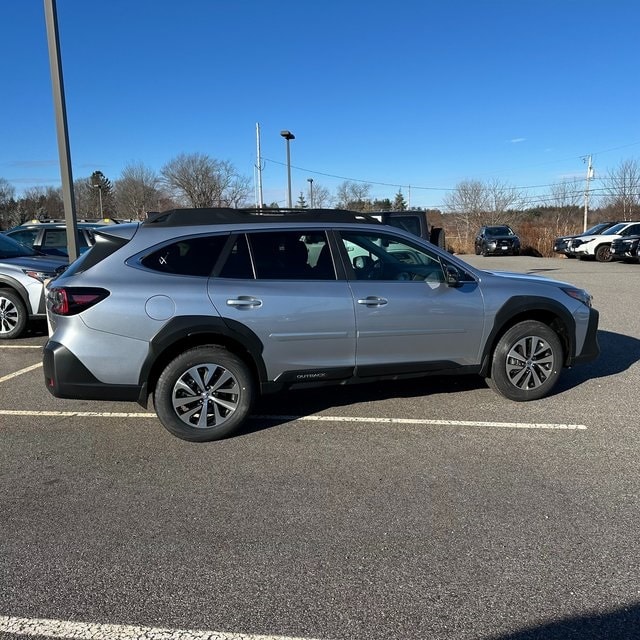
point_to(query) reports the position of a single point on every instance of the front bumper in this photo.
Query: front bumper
(590, 348)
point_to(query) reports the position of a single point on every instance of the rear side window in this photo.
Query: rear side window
(187, 256)
(291, 255)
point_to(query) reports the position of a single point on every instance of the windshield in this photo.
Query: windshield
(597, 228)
(499, 231)
(9, 248)
(615, 229)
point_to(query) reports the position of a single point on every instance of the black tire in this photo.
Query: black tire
(603, 253)
(477, 248)
(527, 362)
(515, 252)
(208, 375)
(437, 237)
(484, 251)
(13, 315)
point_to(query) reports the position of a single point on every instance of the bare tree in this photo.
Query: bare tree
(622, 190)
(322, 199)
(352, 195)
(474, 203)
(137, 191)
(84, 197)
(7, 195)
(504, 202)
(468, 203)
(198, 180)
(564, 199)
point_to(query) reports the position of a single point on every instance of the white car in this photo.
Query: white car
(598, 246)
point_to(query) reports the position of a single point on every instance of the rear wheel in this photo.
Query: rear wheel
(437, 237)
(13, 315)
(526, 362)
(204, 394)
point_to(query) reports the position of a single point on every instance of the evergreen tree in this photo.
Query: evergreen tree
(399, 204)
(301, 203)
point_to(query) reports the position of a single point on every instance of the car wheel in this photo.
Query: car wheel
(603, 253)
(485, 251)
(526, 362)
(204, 394)
(477, 248)
(13, 315)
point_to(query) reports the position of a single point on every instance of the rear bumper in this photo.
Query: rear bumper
(66, 377)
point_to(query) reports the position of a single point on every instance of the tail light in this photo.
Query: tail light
(68, 301)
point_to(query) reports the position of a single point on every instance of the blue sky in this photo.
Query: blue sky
(416, 93)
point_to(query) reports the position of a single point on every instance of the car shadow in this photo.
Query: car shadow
(619, 624)
(618, 353)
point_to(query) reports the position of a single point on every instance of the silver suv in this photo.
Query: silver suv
(22, 273)
(203, 309)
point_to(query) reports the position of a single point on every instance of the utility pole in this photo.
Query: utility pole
(586, 193)
(260, 202)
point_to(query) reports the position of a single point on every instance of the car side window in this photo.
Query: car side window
(187, 256)
(291, 255)
(378, 256)
(25, 236)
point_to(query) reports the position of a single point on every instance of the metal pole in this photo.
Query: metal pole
(310, 181)
(100, 199)
(259, 168)
(288, 176)
(586, 194)
(55, 64)
(287, 135)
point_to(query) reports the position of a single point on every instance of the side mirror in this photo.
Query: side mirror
(452, 276)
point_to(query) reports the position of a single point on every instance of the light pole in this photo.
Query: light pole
(287, 135)
(97, 184)
(310, 181)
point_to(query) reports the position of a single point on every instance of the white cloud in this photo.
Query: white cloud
(516, 140)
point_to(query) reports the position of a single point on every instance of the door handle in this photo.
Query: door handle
(244, 302)
(373, 301)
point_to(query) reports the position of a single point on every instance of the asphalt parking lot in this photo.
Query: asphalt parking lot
(429, 509)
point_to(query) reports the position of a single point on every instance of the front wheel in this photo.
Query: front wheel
(526, 362)
(204, 394)
(13, 315)
(603, 253)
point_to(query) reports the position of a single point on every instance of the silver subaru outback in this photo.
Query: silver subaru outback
(204, 309)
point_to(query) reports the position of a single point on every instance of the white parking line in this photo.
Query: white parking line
(15, 374)
(94, 631)
(407, 421)
(20, 346)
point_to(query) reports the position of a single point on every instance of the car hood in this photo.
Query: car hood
(503, 237)
(39, 263)
(528, 277)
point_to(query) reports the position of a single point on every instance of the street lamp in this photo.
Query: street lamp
(96, 183)
(287, 135)
(310, 181)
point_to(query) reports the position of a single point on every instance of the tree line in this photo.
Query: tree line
(199, 180)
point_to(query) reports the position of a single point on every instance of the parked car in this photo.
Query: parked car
(22, 273)
(497, 239)
(51, 237)
(561, 243)
(204, 309)
(625, 248)
(598, 245)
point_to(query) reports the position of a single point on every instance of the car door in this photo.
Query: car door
(407, 317)
(299, 310)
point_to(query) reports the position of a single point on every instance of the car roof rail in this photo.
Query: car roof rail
(226, 215)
